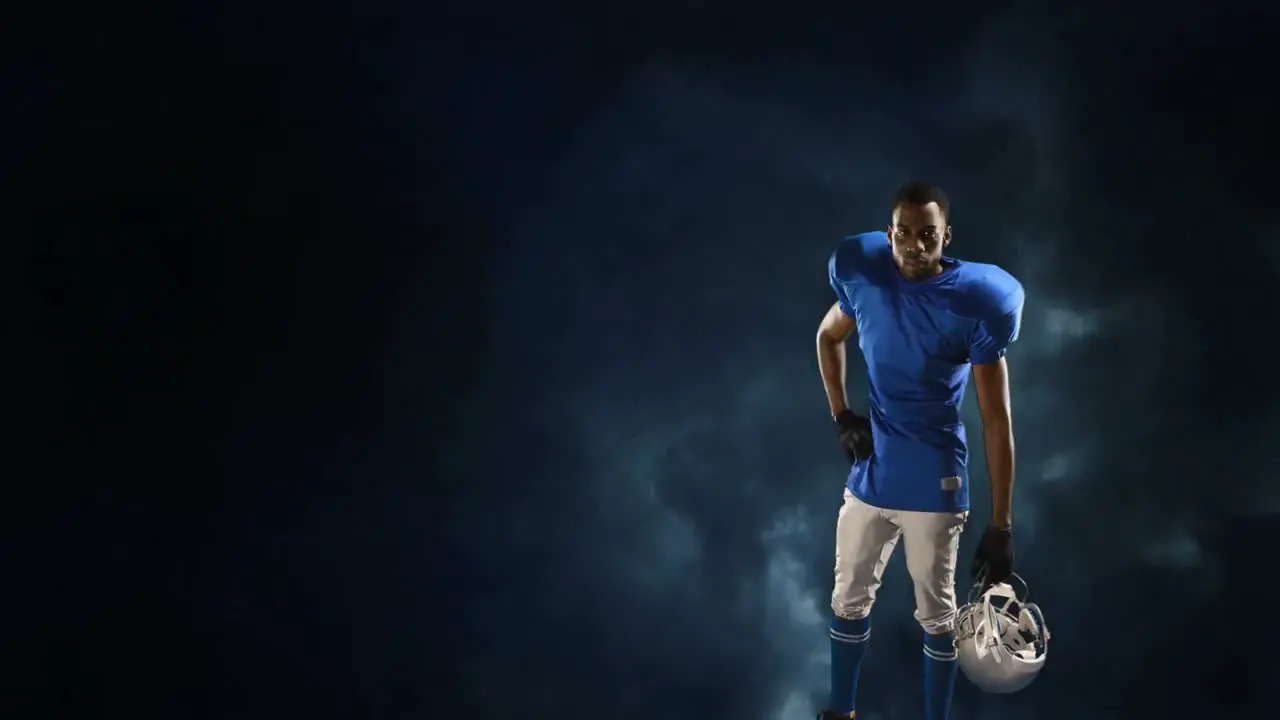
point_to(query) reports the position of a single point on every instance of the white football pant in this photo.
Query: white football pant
(865, 539)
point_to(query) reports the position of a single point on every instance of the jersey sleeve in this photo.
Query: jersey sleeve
(999, 326)
(834, 275)
(848, 263)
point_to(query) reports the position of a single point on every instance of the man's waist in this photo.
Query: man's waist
(899, 461)
(916, 428)
(916, 411)
(932, 445)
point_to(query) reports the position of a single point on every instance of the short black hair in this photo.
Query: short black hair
(918, 192)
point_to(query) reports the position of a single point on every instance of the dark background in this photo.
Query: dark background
(396, 361)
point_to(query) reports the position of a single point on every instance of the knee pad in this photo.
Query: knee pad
(943, 625)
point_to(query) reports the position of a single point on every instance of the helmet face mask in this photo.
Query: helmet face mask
(1001, 640)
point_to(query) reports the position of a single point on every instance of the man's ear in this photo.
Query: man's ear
(946, 237)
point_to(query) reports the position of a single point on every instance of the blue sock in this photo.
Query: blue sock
(939, 674)
(848, 644)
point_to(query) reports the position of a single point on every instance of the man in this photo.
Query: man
(923, 319)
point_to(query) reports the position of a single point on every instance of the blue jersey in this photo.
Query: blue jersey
(919, 339)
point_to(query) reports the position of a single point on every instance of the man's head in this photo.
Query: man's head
(920, 230)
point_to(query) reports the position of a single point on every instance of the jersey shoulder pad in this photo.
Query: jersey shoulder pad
(990, 292)
(858, 255)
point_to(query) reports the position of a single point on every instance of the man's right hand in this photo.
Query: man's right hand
(855, 436)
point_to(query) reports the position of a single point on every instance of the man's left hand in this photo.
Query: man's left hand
(993, 562)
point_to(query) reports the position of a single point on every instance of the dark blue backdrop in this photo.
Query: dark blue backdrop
(399, 363)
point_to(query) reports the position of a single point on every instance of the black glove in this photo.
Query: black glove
(993, 562)
(855, 436)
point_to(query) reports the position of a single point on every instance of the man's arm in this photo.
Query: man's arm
(992, 381)
(835, 329)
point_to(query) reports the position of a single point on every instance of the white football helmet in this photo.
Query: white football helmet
(1001, 640)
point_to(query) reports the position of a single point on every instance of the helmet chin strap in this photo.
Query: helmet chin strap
(988, 636)
(980, 587)
(992, 638)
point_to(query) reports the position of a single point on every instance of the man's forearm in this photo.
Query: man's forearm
(831, 363)
(999, 442)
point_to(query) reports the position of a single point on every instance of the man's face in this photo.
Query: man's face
(918, 235)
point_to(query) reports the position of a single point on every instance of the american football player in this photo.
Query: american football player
(924, 321)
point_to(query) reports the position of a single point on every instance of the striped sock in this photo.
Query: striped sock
(939, 674)
(848, 644)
